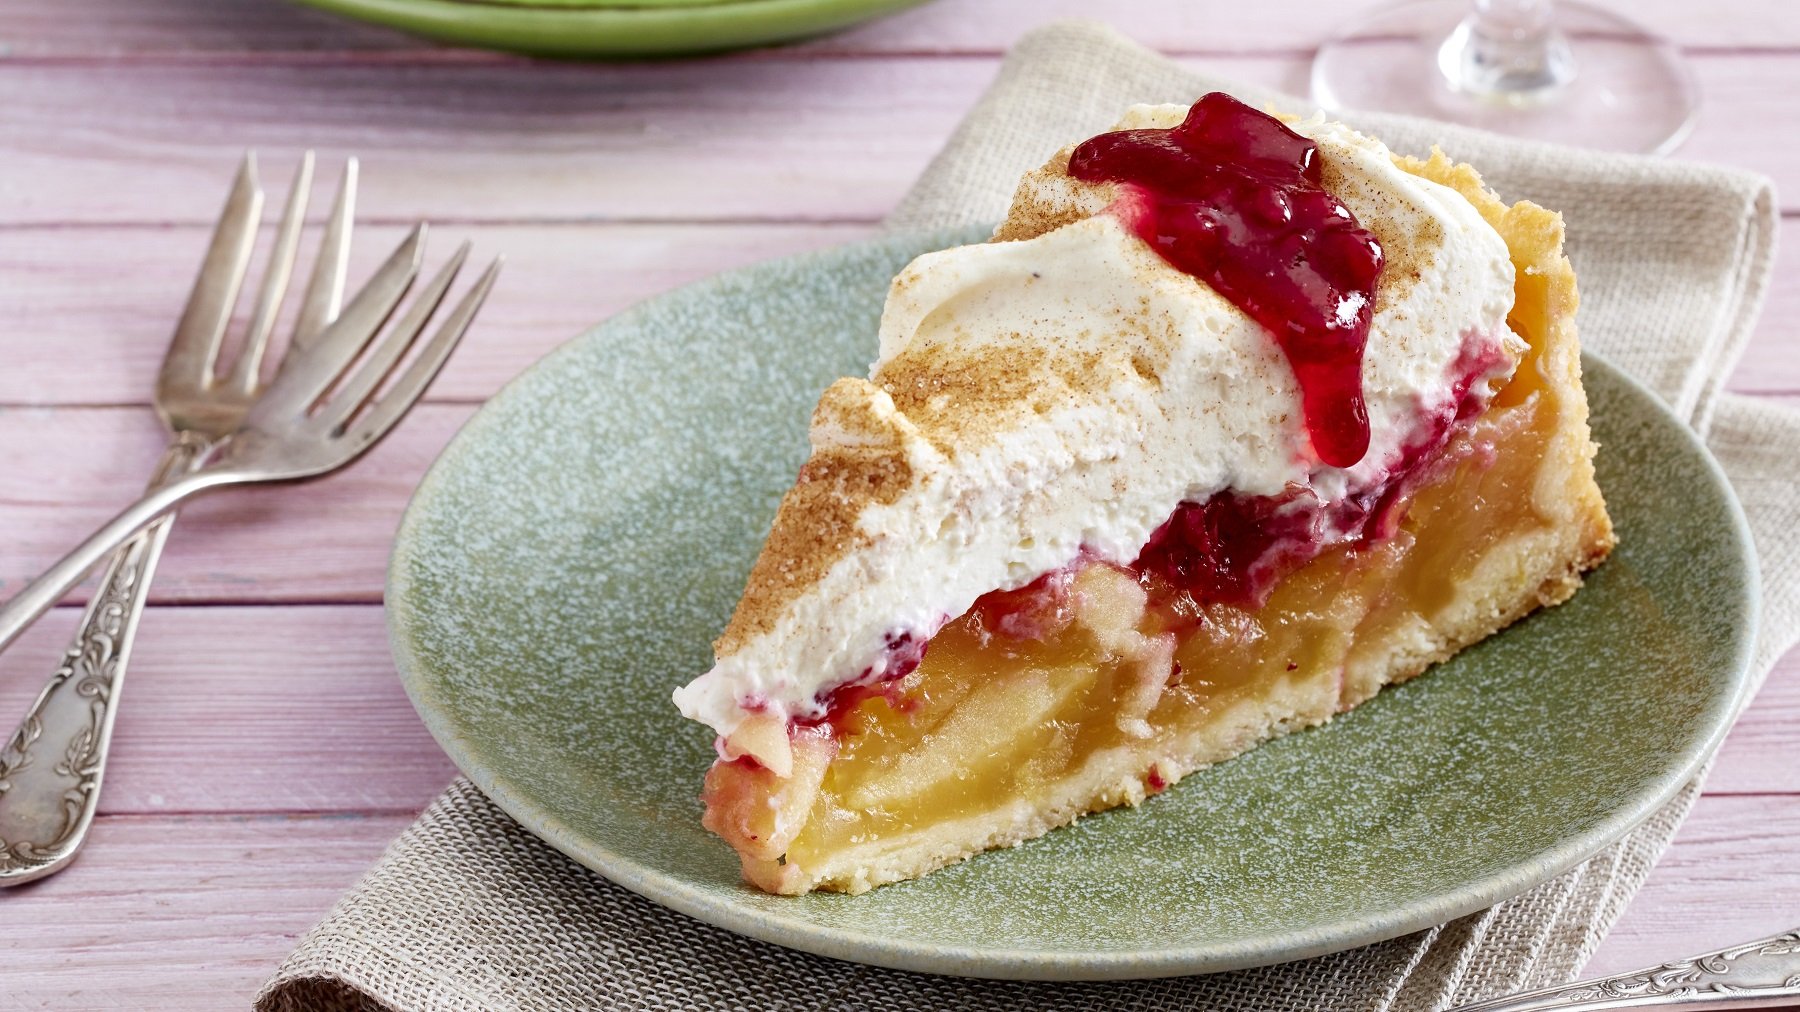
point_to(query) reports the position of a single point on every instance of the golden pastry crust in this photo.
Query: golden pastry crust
(1505, 581)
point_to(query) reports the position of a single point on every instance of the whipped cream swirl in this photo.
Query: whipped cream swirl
(1038, 399)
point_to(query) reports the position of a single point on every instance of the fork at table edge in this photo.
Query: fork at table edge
(318, 413)
(1760, 974)
(51, 809)
(77, 707)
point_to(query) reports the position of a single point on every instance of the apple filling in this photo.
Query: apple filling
(1035, 688)
(1101, 684)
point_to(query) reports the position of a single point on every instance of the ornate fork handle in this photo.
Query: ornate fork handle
(1760, 974)
(50, 769)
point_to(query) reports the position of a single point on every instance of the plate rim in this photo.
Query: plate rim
(615, 32)
(1000, 962)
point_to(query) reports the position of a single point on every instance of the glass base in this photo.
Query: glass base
(1629, 90)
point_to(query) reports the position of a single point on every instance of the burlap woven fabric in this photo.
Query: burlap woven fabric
(467, 910)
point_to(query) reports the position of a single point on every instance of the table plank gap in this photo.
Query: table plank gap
(195, 913)
(1728, 877)
(253, 710)
(266, 751)
(185, 912)
(320, 722)
(827, 141)
(72, 349)
(231, 547)
(122, 28)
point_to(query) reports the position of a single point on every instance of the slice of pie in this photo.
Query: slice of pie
(1233, 423)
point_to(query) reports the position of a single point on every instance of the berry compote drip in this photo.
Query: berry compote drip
(1233, 197)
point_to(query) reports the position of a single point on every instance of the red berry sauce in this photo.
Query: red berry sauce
(1037, 611)
(1233, 197)
(1233, 548)
(902, 652)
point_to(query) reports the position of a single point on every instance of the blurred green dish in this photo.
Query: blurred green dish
(602, 28)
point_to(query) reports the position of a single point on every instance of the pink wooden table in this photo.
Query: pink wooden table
(265, 753)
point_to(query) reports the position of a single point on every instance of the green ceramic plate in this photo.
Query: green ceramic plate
(568, 560)
(584, 28)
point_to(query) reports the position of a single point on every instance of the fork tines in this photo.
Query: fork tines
(335, 365)
(339, 377)
(192, 365)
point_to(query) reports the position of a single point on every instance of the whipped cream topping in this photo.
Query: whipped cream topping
(1038, 399)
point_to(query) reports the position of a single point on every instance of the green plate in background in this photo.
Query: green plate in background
(582, 28)
(568, 560)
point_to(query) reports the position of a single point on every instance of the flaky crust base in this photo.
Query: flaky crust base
(1516, 577)
(1114, 776)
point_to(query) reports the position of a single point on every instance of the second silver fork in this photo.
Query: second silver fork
(51, 767)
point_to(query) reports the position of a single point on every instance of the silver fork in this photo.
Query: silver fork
(51, 768)
(1760, 974)
(319, 412)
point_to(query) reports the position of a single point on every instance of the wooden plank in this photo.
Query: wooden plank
(103, 28)
(204, 27)
(1727, 84)
(771, 139)
(1729, 877)
(1771, 363)
(960, 26)
(65, 472)
(195, 912)
(278, 709)
(64, 345)
(119, 112)
(248, 709)
(1758, 757)
(180, 912)
(815, 140)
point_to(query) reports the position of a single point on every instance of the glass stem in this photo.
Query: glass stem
(1509, 51)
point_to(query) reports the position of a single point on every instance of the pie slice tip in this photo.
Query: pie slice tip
(1232, 424)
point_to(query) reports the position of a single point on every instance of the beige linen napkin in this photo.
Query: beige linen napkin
(466, 910)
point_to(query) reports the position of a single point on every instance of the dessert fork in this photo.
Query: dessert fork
(323, 408)
(1760, 974)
